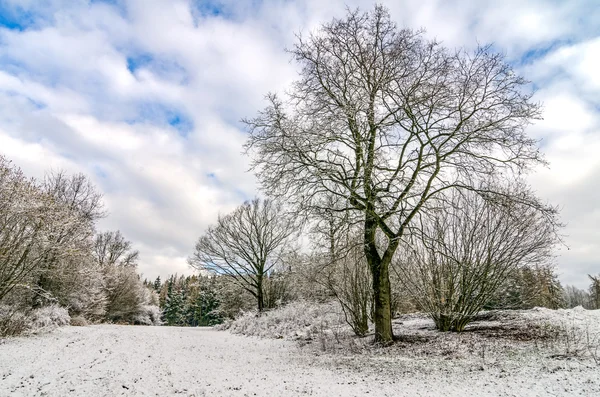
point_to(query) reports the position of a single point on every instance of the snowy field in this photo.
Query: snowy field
(111, 360)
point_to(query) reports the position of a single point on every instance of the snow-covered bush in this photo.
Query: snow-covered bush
(49, 317)
(148, 315)
(12, 321)
(51, 256)
(296, 320)
(15, 321)
(82, 291)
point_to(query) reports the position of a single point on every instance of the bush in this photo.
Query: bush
(149, 315)
(15, 321)
(276, 290)
(12, 321)
(49, 317)
(234, 300)
(466, 251)
(296, 320)
(350, 282)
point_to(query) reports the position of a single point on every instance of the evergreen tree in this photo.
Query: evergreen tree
(207, 311)
(173, 307)
(191, 301)
(157, 285)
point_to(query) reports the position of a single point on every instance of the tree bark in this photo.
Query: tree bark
(381, 285)
(259, 293)
(382, 301)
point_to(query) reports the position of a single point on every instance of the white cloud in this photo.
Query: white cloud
(69, 99)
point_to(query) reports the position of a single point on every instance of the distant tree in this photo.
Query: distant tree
(205, 305)
(528, 287)
(246, 245)
(157, 285)
(388, 121)
(541, 288)
(174, 304)
(595, 292)
(112, 249)
(123, 288)
(576, 297)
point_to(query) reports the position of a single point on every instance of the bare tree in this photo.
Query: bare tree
(77, 193)
(29, 218)
(246, 245)
(595, 291)
(67, 268)
(468, 249)
(123, 288)
(577, 297)
(112, 249)
(386, 121)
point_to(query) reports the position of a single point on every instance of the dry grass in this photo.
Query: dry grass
(79, 321)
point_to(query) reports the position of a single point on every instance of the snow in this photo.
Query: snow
(111, 360)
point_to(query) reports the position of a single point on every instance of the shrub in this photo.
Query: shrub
(49, 317)
(466, 250)
(296, 320)
(276, 290)
(12, 321)
(148, 315)
(350, 282)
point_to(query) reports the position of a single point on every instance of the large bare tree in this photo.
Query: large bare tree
(386, 120)
(246, 245)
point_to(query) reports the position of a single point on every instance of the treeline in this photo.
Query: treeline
(190, 301)
(210, 299)
(589, 299)
(54, 263)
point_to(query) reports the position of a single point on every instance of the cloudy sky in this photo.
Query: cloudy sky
(145, 97)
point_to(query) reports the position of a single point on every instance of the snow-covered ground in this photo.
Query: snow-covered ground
(110, 360)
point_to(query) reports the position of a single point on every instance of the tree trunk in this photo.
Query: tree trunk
(382, 299)
(259, 293)
(381, 286)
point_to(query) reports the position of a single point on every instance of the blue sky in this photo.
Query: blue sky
(145, 96)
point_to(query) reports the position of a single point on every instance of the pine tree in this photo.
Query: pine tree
(203, 306)
(173, 307)
(157, 285)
